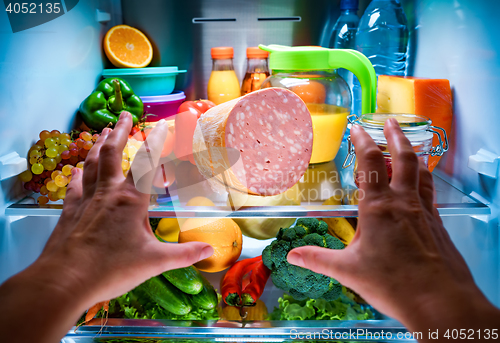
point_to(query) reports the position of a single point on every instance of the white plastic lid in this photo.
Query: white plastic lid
(175, 96)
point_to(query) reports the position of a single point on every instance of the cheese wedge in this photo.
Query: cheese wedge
(427, 97)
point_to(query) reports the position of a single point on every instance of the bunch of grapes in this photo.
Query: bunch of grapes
(129, 154)
(49, 156)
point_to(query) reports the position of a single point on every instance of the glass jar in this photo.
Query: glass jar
(257, 70)
(311, 73)
(418, 129)
(223, 84)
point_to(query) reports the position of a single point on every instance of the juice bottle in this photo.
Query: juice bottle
(257, 70)
(223, 84)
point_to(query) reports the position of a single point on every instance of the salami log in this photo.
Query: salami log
(259, 144)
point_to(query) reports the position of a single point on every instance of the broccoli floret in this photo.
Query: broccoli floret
(333, 242)
(300, 282)
(298, 243)
(310, 224)
(289, 235)
(322, 228)
(300, 231)
(314, 239)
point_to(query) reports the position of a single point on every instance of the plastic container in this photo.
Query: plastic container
(383, 37)
(223, 84)
(151, 81)
(162, 106)
(257, 70)
(310, 73)
(418, 129)
(343, 37)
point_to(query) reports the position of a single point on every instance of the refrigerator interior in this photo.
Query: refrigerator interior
(47, 70)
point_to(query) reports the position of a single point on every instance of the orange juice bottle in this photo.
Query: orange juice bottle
(257, 70)
(223, 84)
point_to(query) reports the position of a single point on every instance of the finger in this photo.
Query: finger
(146, 161)
(91, 164)
(405, 168)
(328, 262)
(110, 156)
(172, 256)
(70, 209)
(74, 191)
(426, 187)
(371, 173)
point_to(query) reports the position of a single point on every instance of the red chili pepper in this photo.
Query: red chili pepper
(231, 283)
(258, 279)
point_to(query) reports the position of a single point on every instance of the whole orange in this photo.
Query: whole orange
(312, 92)
(224, 235)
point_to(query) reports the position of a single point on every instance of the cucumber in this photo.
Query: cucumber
(167, 295)
(207, 298)
(188, 280)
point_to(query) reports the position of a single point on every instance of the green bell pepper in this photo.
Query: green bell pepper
(109, 99)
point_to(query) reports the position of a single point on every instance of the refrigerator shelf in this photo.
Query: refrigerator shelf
(450, 202)
(232, 331)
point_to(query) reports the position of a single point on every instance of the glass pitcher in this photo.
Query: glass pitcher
(310, 72)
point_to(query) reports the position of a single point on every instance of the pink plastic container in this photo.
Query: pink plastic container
(163, 106)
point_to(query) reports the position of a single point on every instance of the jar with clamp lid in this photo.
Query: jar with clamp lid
(418, 129)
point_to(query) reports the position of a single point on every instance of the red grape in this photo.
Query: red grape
(72, 146)
(59, 166)
(65, 155)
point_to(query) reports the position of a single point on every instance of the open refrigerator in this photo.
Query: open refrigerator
(46, 71)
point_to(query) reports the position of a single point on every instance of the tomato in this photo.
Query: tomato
(168, 145)
(202, 106)
(134, 130)
(209, 103)
(185, 124)
(189, 106)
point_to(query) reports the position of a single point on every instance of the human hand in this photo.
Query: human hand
(401, 259)
(103, 239)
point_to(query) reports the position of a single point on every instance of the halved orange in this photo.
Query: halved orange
(127, 47)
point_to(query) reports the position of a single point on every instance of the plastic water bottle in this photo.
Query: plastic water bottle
(343, 37)
(383, 37)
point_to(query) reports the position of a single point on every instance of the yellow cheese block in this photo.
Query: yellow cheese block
(427, 97)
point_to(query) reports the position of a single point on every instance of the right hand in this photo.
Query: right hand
(401, 259)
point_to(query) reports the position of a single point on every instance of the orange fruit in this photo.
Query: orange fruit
(224, 235)
(311, 93)
(200, 201)
(127, 47)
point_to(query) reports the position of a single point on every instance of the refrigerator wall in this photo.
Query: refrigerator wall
(458, 40)
(46, 71)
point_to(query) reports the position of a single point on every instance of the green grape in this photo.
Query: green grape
(51, 152)
(35, 153)
(56, 139)
(49, 142)
(65, 141)
(36, 147)
(58, 158)
(34, 160)
(62, 148)
(25, 176)
(49, 163)
(37, 168)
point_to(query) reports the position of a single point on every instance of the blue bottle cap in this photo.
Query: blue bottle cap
(349, 4)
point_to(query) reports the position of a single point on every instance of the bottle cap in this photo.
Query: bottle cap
(255, 52)
(349, 4)
(222, 52)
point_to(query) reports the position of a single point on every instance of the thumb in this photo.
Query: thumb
(320, 260)
(180, 255)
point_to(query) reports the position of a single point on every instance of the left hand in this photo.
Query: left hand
(103, 238)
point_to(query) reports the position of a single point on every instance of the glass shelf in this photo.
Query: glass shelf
(229, 331)
(450, 202)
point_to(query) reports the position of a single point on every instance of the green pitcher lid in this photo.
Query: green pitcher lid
(297, 57)
(318, 58)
